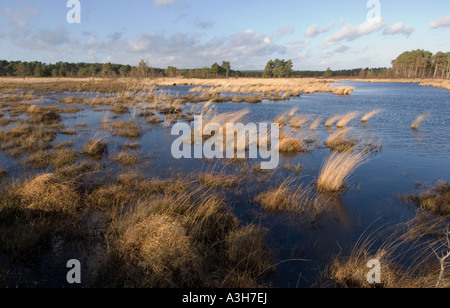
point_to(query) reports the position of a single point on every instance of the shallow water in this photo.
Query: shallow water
(304, 247)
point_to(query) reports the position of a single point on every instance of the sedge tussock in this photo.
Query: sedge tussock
(370, 115)
(423, 243)
(338, 141)
(315, 124)
(436, 199)
(287, 198)
(126, 159)
(347, 118)
(47, 192)
(298, 121)
(333, 120)
(337, 168)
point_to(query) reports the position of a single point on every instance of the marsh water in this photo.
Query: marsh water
(304, 246)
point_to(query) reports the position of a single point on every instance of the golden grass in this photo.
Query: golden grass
(419, 120)
(436, 200)
(24, 138)
(126, 159)
(291, 144)
(316, 123)
(286, 198)
(95, 148)
(298, 121)
(343, 90)
(47, 192)
(215, 180)
(336, 170)
(370, 115)
(340, 142)
(423, 244)
(333, 120)
(183, 239)
(256, 85)
(347, 118)
(127, 129)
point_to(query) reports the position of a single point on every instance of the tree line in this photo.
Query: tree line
(422, 64)
(411, 64)
(109, 70)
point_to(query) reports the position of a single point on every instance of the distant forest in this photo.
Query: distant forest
(410, 64)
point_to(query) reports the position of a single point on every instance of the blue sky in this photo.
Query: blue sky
(248, 33)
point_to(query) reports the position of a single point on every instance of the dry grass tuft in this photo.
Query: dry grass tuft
(436, 200)
(285, 198)
(338, 141)
(159, 245)
(347, 118)
(333, 120)
(129, 129)
(47, 192)
(95, 148)
(337, 169)
(126, 159)
(418, 121)
(298, 121)
(290, 144)
(315, 124)
(423, 244)
(370, 115)
(216, 180)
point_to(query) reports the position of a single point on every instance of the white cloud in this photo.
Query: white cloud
(315, 30)
(399, 28)
(342, 49)
(160, 3)
(287, 30)
(20, 18)
(351, 32)
(441, 22)
(298, 45)
(44, 40)
(248, 49)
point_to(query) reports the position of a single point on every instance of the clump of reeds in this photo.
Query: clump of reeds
(370, 115)
(436, 200)
(176, 238)
(418, 121)
(337, 169)
(343, 90)
(338, 141)
(298, 121)
(315, 124)
(47, 192)
(130, 129)
(423, 243)
(126, 159)
(161, 247)
(216, 180)
(119, 109)
(95, 148)
(286, 198)
(333, 120)
(346, 119)
(290, 144)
